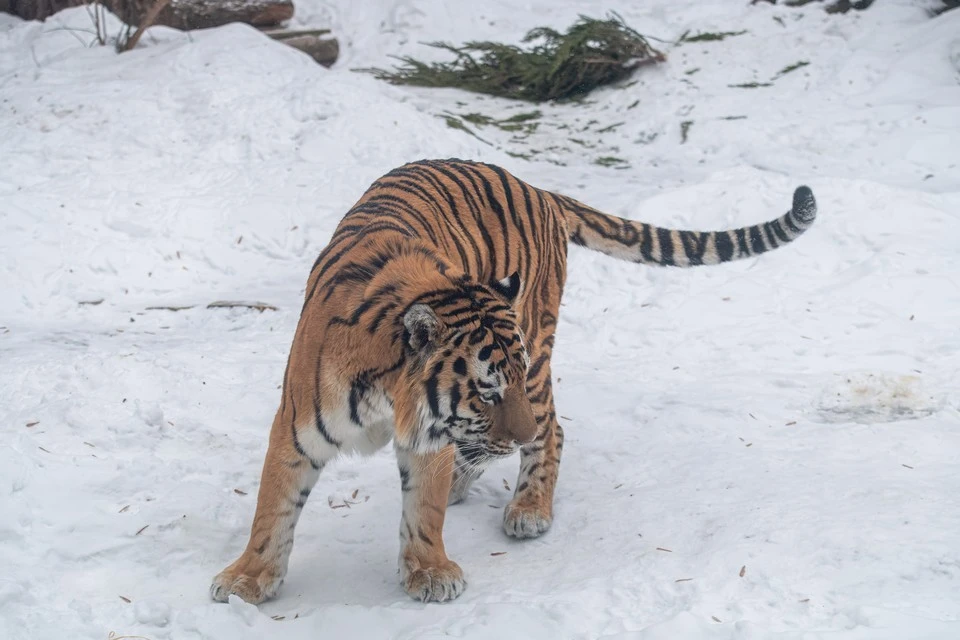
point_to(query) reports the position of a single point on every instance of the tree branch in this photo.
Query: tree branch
(148, 19)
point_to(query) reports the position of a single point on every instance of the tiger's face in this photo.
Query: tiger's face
(468, 367)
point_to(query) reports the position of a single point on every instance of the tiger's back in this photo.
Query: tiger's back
(477, 218)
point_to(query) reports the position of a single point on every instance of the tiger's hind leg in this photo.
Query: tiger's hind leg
(530, 513)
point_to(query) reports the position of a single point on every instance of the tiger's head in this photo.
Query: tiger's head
(465, 374)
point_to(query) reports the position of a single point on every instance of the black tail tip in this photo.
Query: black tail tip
(804, 204)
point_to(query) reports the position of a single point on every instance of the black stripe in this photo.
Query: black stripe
(796, 230)
(472, 453)
(357, 390)
(493, 204)
(455, 399)
(379, 211)
(449, 214)
(742, 247)
(724, 245)
(507, 192)
(330, 260)
(537, 366)
(408, 180)
(756, 240)
(293, 420)
(355, 316)
(694, 245)
(318, 415)
(472, 199)
(778, 230)
(381, 316)
(534, 224)
(432, 384)
(354, 273)
(403, 206)
(646, 243)
(472, 205)
(666, 246)
(770, 236)
(300, 450)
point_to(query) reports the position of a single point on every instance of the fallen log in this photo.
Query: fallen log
(179, 14)
(282, 34)
(316, 43)
(187, 15)
(233, 304)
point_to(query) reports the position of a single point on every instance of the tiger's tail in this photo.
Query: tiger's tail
(649, 244)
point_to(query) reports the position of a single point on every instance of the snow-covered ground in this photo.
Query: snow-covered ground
(756, 450)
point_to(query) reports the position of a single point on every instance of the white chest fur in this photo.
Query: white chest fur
(360, 422)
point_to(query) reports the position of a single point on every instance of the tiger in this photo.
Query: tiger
(429, 320)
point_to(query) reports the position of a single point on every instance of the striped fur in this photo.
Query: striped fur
(429, 319)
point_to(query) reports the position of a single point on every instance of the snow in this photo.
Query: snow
(754, 450)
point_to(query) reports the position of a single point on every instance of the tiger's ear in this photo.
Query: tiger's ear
(422, 327)
(509, 287)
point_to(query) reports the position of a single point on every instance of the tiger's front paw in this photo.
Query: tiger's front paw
(250, 579)
(523, 519)
(440, 582)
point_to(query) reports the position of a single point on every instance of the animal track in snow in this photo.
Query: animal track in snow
(868, 398)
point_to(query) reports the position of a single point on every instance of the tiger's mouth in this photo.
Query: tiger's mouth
(479, 450)
(496, 451)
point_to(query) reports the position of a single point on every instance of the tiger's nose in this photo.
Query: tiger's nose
(512, 420)
(517, 416)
